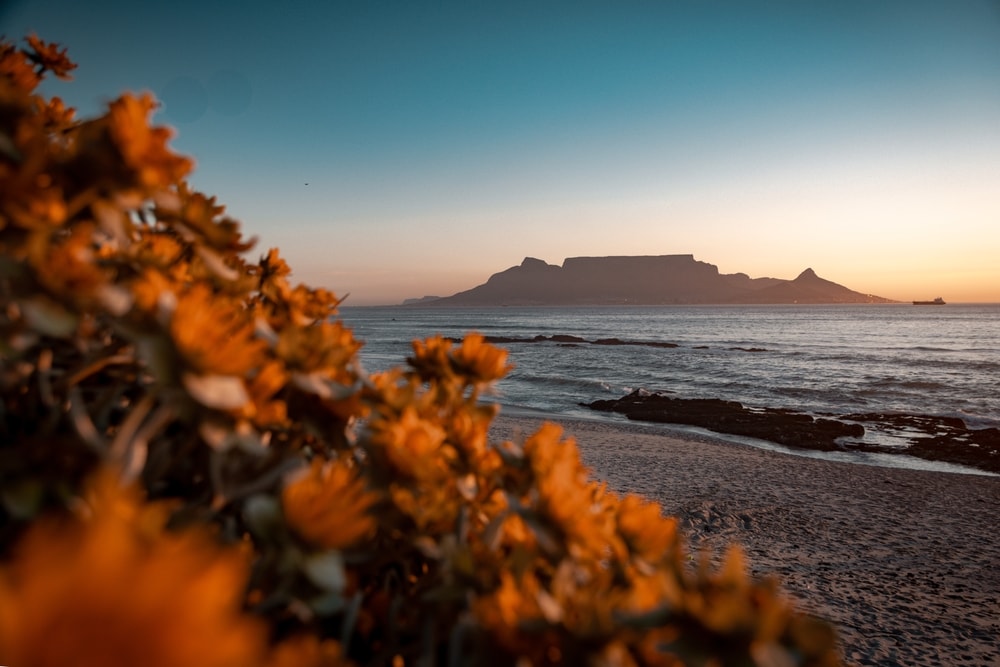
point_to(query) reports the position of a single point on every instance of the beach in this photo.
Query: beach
(904, 563)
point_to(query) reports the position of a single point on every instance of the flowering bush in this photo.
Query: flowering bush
(195, 471)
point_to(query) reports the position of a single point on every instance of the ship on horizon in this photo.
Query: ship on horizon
(936, 302)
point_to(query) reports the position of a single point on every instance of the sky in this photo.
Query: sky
(401, 149)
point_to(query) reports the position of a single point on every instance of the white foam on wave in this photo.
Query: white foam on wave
(862, 458)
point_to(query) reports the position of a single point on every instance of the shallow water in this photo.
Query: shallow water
(937, 361)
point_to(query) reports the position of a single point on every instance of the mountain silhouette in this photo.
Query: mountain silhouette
(809, 288)
(643, 280)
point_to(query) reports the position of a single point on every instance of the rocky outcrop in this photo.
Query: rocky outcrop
(932, 438)
(784, 427)
(936, 438)
(571, 341)
(644, 280)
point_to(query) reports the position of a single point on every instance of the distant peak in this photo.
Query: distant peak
(531, 261)
(808, 273)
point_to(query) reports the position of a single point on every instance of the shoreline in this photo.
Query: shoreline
(901, 561)
(863, 457)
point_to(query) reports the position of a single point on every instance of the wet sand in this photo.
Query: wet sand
(905, 563)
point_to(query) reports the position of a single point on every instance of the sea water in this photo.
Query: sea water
(833, 360)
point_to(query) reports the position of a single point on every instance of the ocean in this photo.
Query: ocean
(939, 361)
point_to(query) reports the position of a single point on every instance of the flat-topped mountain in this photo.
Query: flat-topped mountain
(643, 280)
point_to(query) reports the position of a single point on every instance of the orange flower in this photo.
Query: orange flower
(16, 67)
(582, 510)
(158, 249)
(203, 215)
(56, 115)
(143, 148)
(412, 444)
(273, 266)
(517, 601)
(545, 450)
(267, 382)
(32, 201)
(512, 606)
(152, 290)
(327, 506)
(479, 361)
(430, 358)
(114, 588)
(215, 336)
(50, 57)
(434, 507)
(309, 305)
(469, 430)
(648, 533)
(69, 267)
(326, 347)
(651, 589)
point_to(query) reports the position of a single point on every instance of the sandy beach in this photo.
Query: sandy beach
(905, 563)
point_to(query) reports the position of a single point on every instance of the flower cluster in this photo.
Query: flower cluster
(194, 469)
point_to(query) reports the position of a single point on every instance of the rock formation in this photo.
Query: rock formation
(643, 280)
(929, 437)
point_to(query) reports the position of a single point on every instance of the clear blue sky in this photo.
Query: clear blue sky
(445, 141)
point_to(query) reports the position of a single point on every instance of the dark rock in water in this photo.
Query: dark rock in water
(978, 449)
(945, 439)
(933, 438)
(572, 341)
(781, 426)
(618, 341)
(564, 338)
(499, 340)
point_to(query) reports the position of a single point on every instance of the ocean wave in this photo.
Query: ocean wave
(975, 421)
(908, 384)
(818, 360)
(584, 384)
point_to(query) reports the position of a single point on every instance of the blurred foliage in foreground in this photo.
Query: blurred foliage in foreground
(195, 471)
